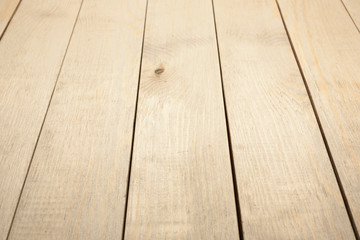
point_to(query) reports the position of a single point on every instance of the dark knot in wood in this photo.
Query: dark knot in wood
(159, 71)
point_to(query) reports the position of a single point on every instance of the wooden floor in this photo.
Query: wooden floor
(179, 119)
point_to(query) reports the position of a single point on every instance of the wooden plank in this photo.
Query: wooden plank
(76, 188)
(7, 9)
(31, 53)
(181, 183)
(287, 188)
(328, 47)
(353, 7)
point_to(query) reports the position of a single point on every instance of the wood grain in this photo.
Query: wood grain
(287, 188)
(181, 184)
(31, 53)
(76, 188)
(328, 47)
(353, 6)
(7, 9)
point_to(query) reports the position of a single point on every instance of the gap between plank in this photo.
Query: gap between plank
(42, 124)
(347, 206)
(8, 23)
(235, 185)
(350, 15)
(134, 125)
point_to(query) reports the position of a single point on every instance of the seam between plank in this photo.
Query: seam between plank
(235, 185)
(342, 191)
(352, 19)
(10, 19)
(134, 124)
(42, 125)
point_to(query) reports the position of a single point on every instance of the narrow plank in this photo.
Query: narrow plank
(181, 183)
(328, 47)
(353, 6)
(287, 188)
(7, 9)
(76, 188)
(31, 53)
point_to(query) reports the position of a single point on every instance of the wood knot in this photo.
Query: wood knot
(159, 71)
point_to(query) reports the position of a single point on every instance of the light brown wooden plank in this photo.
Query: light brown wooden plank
(287, 188)
(7, 9)
(353, 7)
(31, 53)
(76, 188)
(181, 183)
(328, 47)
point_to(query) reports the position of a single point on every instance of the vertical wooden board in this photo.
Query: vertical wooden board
(181, 183)
(76, 188)
(328, 47)
(7, 9)
(31, 53)
(287, 188)
(353, 6)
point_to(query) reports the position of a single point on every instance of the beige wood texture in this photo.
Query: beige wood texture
(76, 188)
(287, 188)
(353, 6)
(7, 8)
(31, 53)
(328, 47)
(181, 185)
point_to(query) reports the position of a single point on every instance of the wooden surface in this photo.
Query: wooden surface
(76, 188)
(277, 156)
(353, 7)
(328, 47)
(181, 184)
(287, 188)
(7, 9)
(31, 53)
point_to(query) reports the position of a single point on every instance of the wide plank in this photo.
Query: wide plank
(353, 7)
(328, 48)
(7, 9)
(181, 183)
(76, 188)
(31, 53)
(287, 187)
